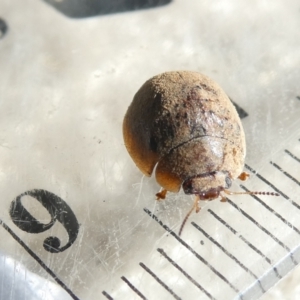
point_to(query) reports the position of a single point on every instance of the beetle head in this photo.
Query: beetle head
(207, 186)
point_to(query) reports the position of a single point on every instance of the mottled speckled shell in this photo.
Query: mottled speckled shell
(184, 123)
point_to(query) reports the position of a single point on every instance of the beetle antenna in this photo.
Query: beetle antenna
(196, 207)
(251, 193)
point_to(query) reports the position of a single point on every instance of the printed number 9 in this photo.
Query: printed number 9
(58, 210)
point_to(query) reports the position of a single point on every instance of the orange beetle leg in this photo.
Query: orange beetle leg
(243, 176)
(161, 195)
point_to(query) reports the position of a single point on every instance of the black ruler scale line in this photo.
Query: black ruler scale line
(264, 230)
(273, 187)
(85, 9)
(292, 155)
(133, 288)
(107, 296)
(229, 255)
(159, 281)
(285, 173)
(281, 218)
(39, 261)
(268, 260)
(191, 250)
(163, 253)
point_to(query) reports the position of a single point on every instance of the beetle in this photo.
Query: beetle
(183, 123)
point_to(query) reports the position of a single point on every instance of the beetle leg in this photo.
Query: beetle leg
(243, 176)
(223, 198)
(161, 194)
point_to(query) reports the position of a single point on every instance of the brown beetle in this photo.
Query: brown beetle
(184, 124)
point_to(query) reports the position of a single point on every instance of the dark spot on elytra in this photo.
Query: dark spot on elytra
(177, 116)
(163, 130)
(234, 152)
(162, 134)
(156, 104)
(193, 95)
(205, 87)
(169, 132)
(153, 144)
(185, 115)
(157, 97)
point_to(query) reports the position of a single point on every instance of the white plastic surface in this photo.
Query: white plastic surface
(65, 86)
